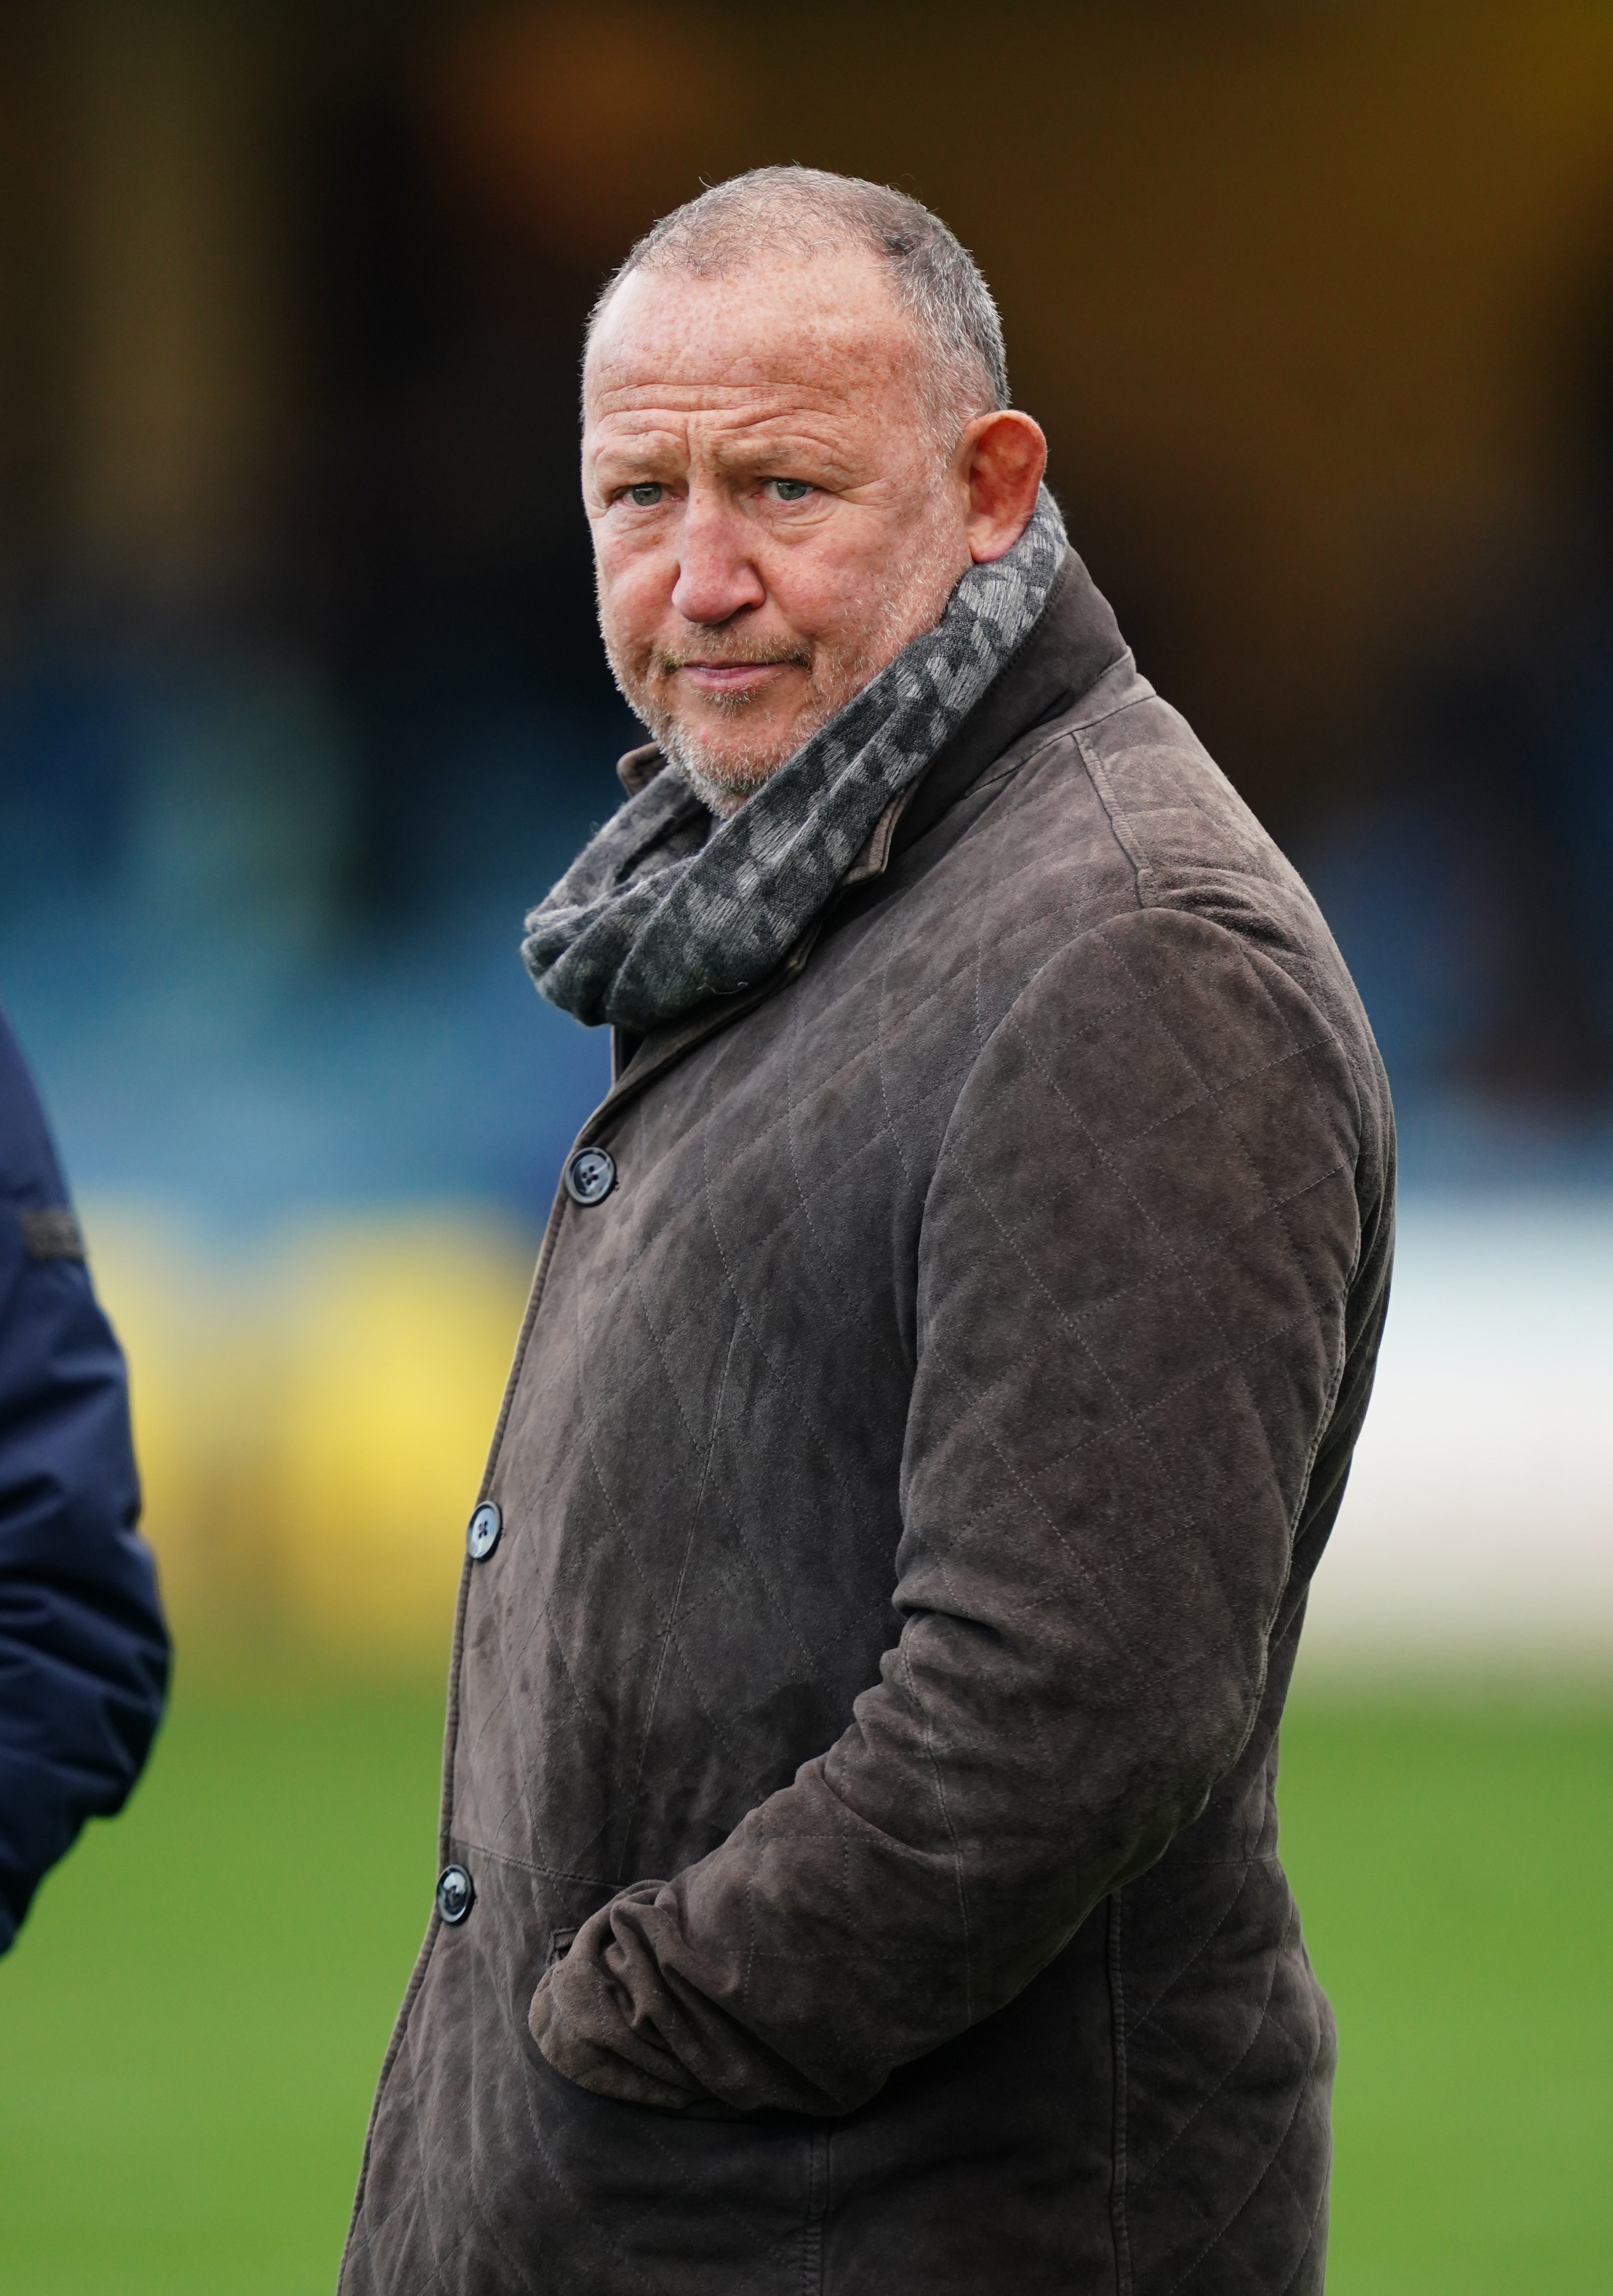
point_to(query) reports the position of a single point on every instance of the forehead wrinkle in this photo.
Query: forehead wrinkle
(743, 452)
(807, 416)
(737, 402)
(821, 423)
(741, 432)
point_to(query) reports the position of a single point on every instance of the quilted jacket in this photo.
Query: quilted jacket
(859, 1799)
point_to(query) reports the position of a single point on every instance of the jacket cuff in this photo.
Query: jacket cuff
(588, 2035)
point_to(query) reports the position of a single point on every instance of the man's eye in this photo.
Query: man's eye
(790, 489)
(645, 495)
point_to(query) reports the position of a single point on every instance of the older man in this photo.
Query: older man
(858, 1846)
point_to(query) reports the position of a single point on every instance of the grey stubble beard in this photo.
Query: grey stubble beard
(724, 781)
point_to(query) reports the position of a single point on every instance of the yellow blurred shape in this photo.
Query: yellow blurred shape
(403, 1339)
(313, 1417)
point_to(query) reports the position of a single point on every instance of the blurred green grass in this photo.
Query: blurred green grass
(1453, 1858)
(191, 2023)
(192, 2019)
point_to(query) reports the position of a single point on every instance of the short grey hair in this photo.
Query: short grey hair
(804, 211)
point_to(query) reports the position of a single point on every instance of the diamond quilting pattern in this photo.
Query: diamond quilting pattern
(853, 1347)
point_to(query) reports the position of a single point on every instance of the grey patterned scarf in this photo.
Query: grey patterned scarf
(652, 918)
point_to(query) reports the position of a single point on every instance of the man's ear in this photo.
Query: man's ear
(1003, 456)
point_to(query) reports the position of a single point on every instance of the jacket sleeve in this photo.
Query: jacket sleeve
(1135, 1256)
(84, 1652)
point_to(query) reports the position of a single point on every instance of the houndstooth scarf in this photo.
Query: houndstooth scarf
(652, 918)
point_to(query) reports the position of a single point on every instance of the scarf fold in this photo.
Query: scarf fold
(653, 919)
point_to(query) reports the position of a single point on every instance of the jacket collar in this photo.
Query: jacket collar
(1075, 642)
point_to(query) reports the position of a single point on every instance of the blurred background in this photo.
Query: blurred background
(302, 705)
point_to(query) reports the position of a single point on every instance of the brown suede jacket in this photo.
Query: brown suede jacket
(862, 1738)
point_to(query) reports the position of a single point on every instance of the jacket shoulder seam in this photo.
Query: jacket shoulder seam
(1117, 815)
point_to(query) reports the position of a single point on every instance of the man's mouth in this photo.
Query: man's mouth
(730, 676)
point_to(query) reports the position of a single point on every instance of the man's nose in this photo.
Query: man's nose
(717, 577)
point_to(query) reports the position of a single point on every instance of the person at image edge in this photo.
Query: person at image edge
(84, 1649)
(858, 1856)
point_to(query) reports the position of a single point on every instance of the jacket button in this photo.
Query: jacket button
(482, 1535)
(590, 1176)
(456, 1894)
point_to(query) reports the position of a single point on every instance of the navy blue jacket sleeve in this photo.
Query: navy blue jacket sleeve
(83, 1653)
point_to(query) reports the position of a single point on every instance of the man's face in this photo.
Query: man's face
(773, 516)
